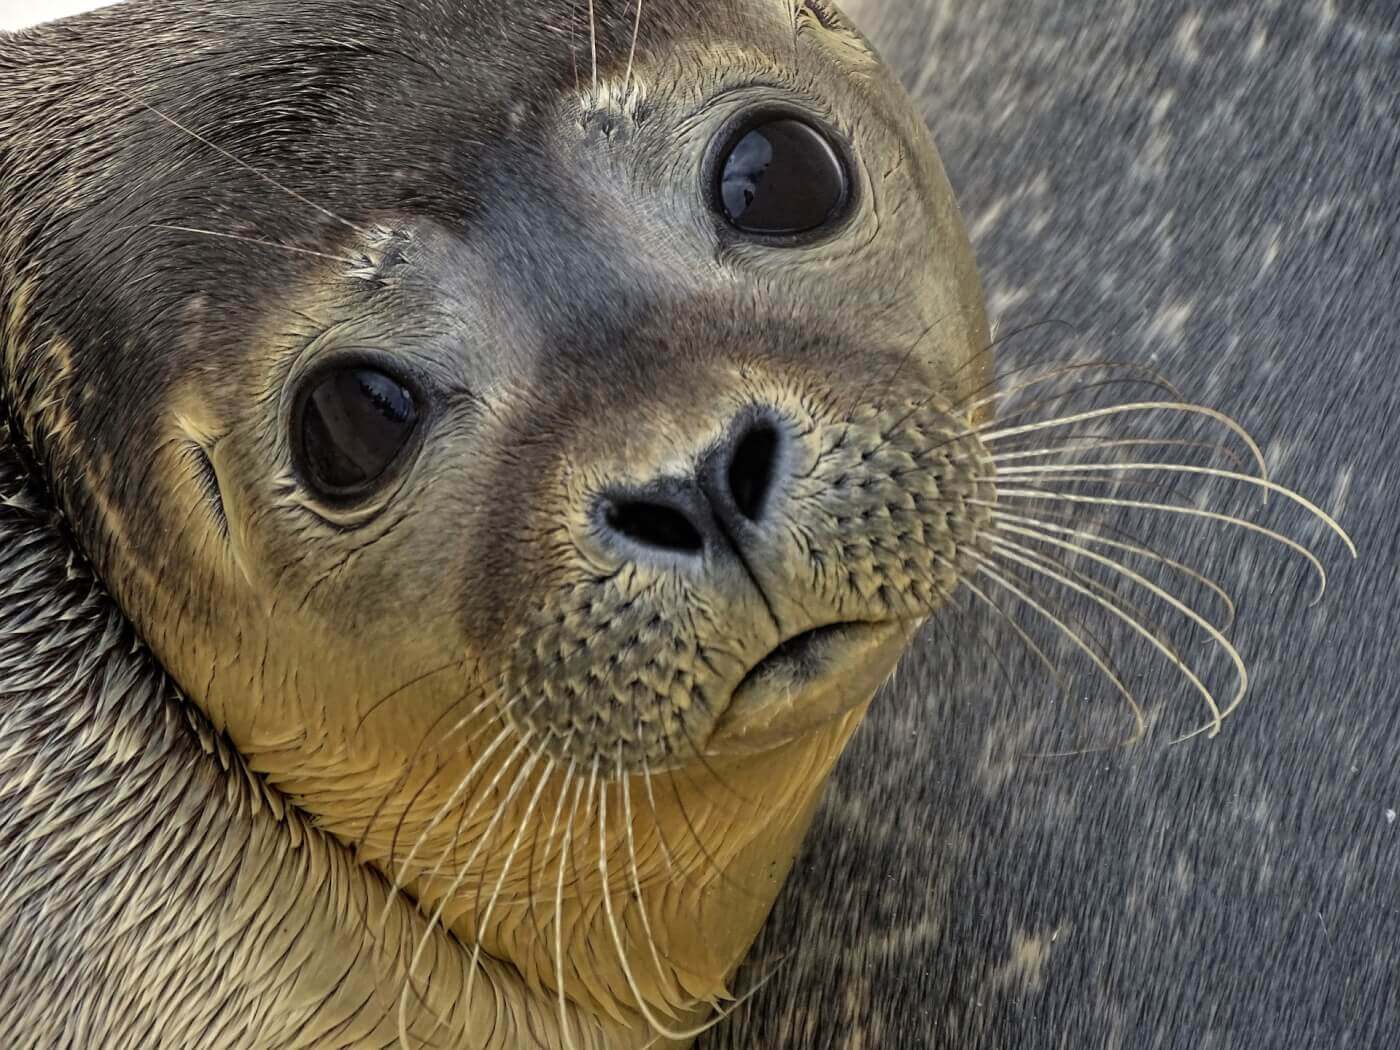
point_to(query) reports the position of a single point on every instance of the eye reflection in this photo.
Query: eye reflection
(782, 177)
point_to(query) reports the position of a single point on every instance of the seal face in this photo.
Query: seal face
(494, 420)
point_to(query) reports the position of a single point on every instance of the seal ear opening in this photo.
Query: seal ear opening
(208, 482)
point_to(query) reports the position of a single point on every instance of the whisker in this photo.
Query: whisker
(441, 814)
(485, 917)
(466, 781)
(593, 43)
(728, 788)
(1050, 469)
(904, 359)
(242, 164)
(991, 436)
(573, 45)
(1151, 377)
(362, 840)
(656, 813)
(564, 853)
(490, 699)
(1168, 508)
(669, 988)
(708, 857)
(1061, 686)
(441, 907)
(1139, 717)
(1025, 557)
(541, 865)
(627, 971)
(1001, 340)
(1096, 443)
(632, 54)
(1044, 484)
(979, 430)
(1240, 670)
(1132, 548)
(260, 242)
(419, 679)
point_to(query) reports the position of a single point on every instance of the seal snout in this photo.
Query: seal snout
(757, 579)
(730, 493)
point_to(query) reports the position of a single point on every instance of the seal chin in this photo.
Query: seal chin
(807, 681)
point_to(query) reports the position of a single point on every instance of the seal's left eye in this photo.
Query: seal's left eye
(782, 177)
(354, 424)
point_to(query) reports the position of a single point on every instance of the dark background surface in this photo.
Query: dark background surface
(1213, 190)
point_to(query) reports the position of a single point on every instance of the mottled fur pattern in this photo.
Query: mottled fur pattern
(1211, 189)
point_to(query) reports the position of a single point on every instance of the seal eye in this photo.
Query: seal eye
(782, 177)
(354, 424)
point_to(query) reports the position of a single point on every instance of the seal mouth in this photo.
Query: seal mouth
(806, 681)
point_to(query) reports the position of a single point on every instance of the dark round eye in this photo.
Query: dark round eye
(780, 178)
(354, 424)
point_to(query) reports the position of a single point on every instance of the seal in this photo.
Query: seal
(527, 434)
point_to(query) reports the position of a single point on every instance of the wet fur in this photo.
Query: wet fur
(117, 799)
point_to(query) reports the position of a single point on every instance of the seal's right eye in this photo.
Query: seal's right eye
(354, 423)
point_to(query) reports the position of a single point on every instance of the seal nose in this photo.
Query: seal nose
(731, 491)
(666, 517)
(740, 476)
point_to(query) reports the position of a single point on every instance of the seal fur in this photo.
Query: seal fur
(428, 675)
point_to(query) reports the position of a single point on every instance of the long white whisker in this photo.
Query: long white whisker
(991, 436)
(637, 882)
(1165, 595)
(1004, 492)
(986, 568)
(631, 978)
(1082, 445)
(1182, 468)
(1027, 558)
(242, 164)
(632, 54)
(564, 1026)
(593, 43)
(440, 815)
(1132, 548)
(461, 877)
(485, 916)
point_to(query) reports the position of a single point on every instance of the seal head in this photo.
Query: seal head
(532, 440)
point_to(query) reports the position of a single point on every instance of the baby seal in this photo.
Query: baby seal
(529, 435)
(530, 432)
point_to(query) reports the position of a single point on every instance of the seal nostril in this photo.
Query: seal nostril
(752, 469)
(655, 525)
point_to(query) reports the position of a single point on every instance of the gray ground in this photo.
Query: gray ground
(1212, 189)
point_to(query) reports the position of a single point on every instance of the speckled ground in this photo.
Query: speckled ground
(1213, 189)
